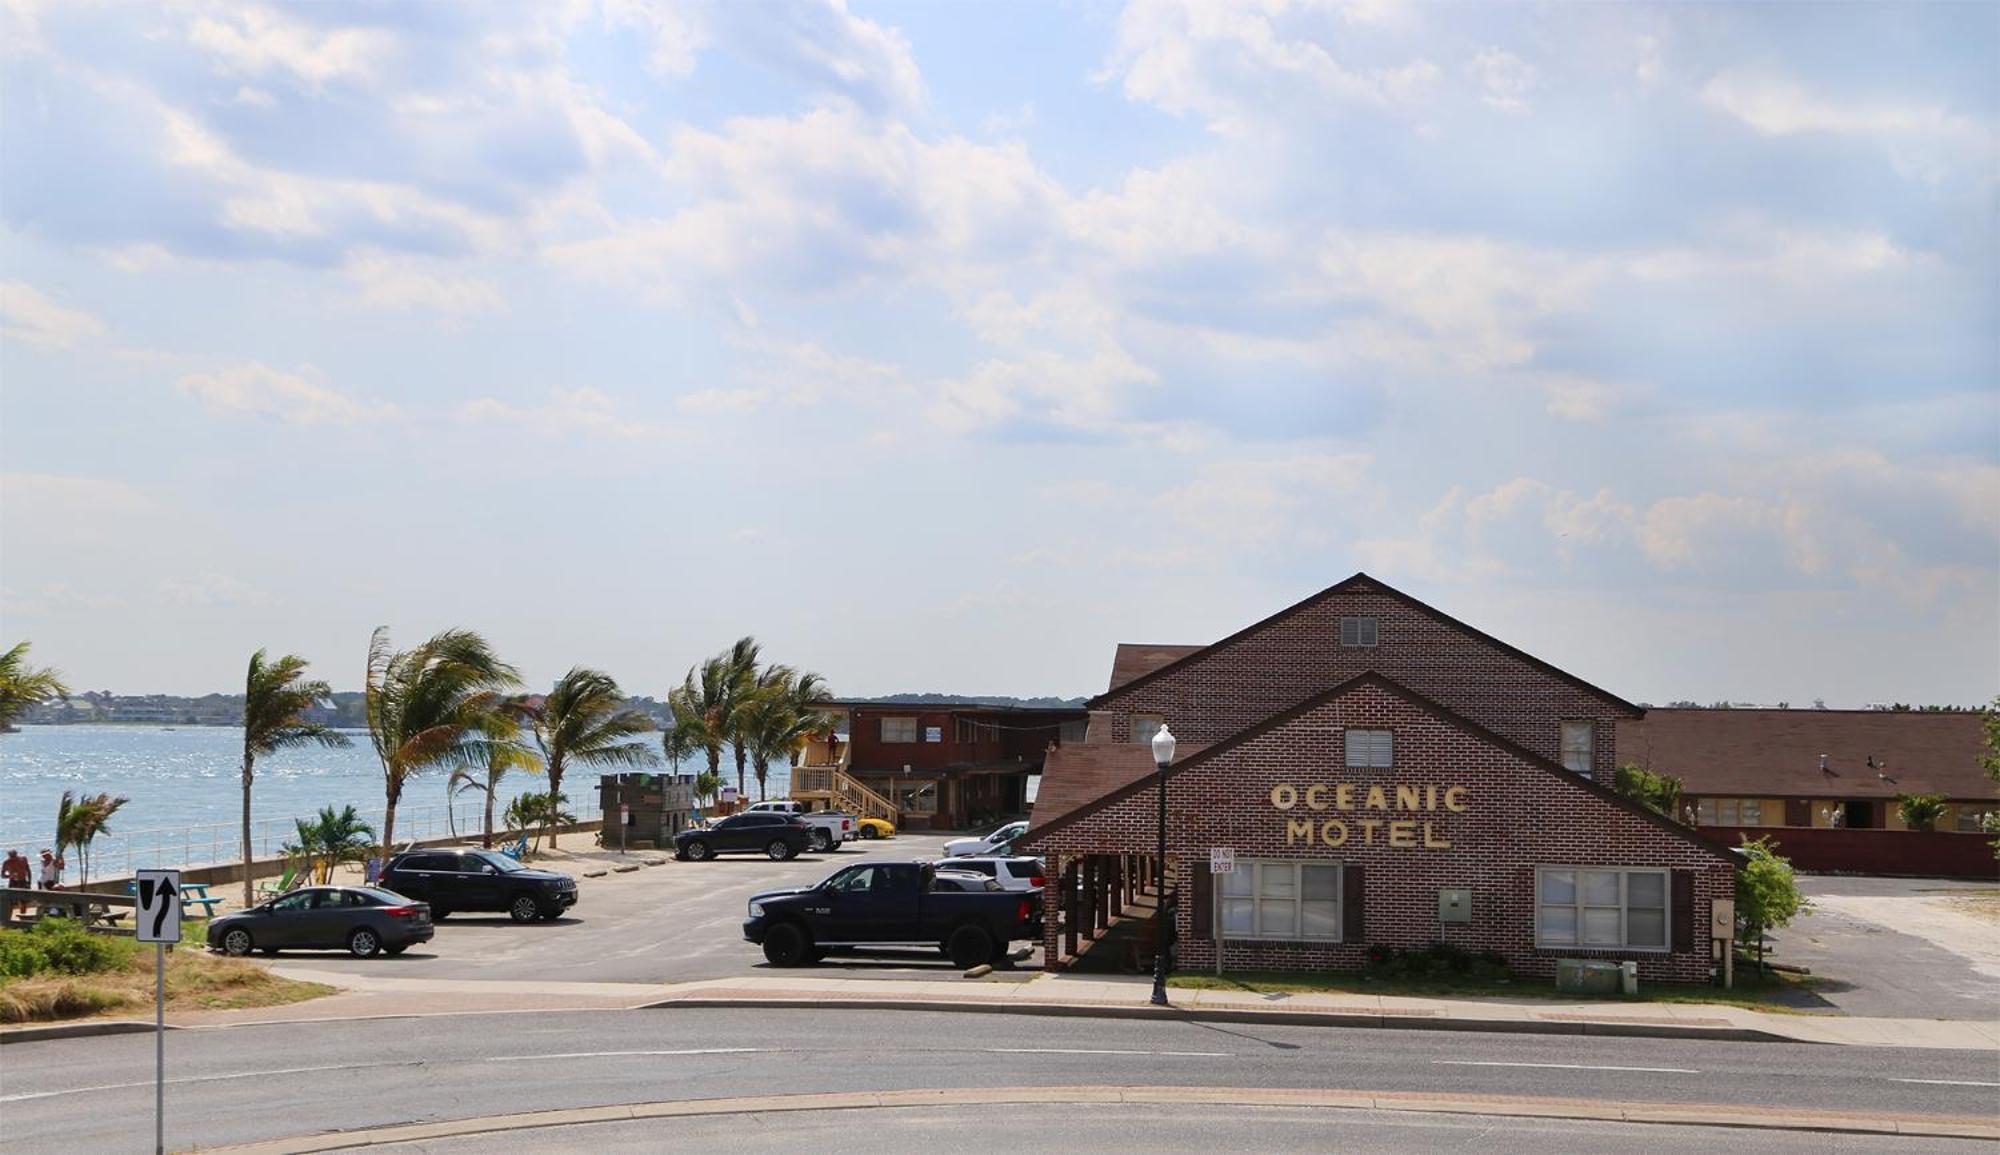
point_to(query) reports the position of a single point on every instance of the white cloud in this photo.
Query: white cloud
(406, 284)
(215, 589)
(257, 41)
(583, 411)
(28, 316)
(1504, 79)
(1283, 501)
(1778, 106)
(254, 389)
(675, 31)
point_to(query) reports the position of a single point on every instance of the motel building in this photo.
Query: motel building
(1385, 776)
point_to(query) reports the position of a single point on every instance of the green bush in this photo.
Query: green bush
(56, 945)
(1438, 962)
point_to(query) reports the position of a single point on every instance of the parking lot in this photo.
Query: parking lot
(675, 922)
(1897, 947)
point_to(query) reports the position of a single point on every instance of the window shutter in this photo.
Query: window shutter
(1203, 914)
(1353, 926)
(1683, 916)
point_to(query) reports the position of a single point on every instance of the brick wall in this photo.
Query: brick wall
(1517, 815)
(1246, 681)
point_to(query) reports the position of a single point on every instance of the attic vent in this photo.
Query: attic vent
(1357, 632)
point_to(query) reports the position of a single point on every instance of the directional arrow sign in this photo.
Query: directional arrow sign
(159, 915)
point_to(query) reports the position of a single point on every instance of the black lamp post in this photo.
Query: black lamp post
(1163, 756)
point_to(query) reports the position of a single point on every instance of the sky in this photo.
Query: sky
(944, 346)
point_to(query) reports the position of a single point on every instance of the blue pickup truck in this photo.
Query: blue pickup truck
(890, 904)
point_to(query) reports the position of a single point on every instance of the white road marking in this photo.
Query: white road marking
(624, 1054)
(1561, 1066)
(1950, 1082)
(1082, 1051)
(204, 1079)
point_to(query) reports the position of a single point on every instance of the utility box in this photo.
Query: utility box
(1589, 977)
(1454, 904)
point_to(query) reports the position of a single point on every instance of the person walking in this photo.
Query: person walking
(16, 869)
(50, 875)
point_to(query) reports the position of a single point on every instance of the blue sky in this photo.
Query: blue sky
(942, 346)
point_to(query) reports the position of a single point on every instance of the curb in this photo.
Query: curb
(1514, 1106)
(83, 1030)
(1222, 1015)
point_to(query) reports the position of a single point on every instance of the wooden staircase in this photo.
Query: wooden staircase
(833, 785)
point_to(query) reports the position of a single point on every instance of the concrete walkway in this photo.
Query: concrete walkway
(1117, 996)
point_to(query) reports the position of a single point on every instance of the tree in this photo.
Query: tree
(700, 707)
(331, 838)
(1660, 792)
(431, 706)
(780, 715)
(1920, 811)
(707, 785)
(504, 753)
(584, 720)
(741, 663)
(276, 696)
(78, 823)
(1767, 893)
(1989, 756)
(536, 811)
(23, 686)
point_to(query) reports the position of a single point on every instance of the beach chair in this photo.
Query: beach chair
(517, 850)
(282, 885)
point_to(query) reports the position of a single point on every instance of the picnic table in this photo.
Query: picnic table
(193, 894)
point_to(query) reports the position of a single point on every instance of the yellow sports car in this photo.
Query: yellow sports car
(875, 828)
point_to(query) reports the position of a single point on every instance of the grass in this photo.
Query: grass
(115, 975)
(1758, 993)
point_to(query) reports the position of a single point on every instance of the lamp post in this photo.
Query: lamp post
(1163, 756)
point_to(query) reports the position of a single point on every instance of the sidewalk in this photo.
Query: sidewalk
(1108, 996)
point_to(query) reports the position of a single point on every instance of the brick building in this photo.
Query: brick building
(1386, 775)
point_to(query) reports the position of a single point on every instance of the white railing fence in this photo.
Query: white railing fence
(115, 854)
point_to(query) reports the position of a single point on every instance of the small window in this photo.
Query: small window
(1144, 726)
(1281, 900)
(1370, 749)
(899, 729)
(1607, 909)
(1739, 812)
(1357, 632)
(1579, 747)
(1969, 820)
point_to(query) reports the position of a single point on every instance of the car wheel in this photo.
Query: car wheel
(779, 850)
(525, 909)
(236, 943)
(970, 946)
(785, 945)
(870, 833)
(395, 950)
(822, 840)
(363, 943)
(698, 851)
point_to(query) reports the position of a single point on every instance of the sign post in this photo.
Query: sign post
(158, 921)
(1221, 860)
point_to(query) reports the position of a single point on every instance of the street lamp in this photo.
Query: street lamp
(1163, 756)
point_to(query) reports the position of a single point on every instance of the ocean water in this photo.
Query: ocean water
(185, 791)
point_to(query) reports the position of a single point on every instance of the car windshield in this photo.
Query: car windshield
(505, 864)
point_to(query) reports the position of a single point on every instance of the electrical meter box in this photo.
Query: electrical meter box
(1454, 904)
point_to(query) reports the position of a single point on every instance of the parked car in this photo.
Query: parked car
(963, 880)
(1010, 873)
(452, 881)
(777, 836)
(361, 920)
(830, 828)
(994, 841)
(889, 904)
(875, 828)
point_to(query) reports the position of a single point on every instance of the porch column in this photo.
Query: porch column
(1071, 915)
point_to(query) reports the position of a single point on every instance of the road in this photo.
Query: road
(237, 1084)
(673, 923)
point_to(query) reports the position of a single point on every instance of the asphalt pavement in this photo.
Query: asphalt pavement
(245, 1083)
(1871, 958)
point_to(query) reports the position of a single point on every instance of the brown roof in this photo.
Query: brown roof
(1114, 778)
(1077, 775)
(1373, 585)
(1776, 753)
(1137, 659)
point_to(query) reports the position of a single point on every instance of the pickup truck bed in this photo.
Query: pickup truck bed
(889, 904)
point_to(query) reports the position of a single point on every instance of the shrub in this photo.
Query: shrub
(1920, 811)
(56, 945)
(1438, 962)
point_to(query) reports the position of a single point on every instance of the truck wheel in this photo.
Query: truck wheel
(785, 945)
(822, 840)
(697, 851)
(970, 946)
(525, 909)
(779, 850)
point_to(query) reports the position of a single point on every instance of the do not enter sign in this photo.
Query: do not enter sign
(1222, 860)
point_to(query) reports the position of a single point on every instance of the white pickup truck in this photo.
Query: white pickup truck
(830, 828)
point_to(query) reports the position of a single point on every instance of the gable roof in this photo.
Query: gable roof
(1077, 775)
(1362, 583)
(1442, 712)
(1136, 659)
(1776, 753)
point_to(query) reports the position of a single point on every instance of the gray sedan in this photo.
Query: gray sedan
(361, 920)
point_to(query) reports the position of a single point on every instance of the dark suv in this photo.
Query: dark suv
(777, 836)
(460, 880)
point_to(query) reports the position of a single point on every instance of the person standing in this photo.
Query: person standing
(51, 871)
(15, 869)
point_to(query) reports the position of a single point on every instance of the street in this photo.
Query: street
(237, 1084)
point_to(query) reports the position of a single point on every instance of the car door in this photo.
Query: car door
(479, 882)
(416, 877)
(324, 922)
(288, 921)
(750, 830)
(895, 902)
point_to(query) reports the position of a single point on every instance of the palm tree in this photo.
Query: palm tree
(699, 708)
(332, 838)
(275, 699)
(538, 811)
(780, 716)
(431, 706)
(78, 823)
(506, 753)
(707, 785)
(741, 661)
(22, 685)
(585, 720)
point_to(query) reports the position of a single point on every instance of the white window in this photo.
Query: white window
(1357, 632)
(899, 729)
(1611, 909)
(1730, 812)
(1969, 818)
(1281, 900)
(1579, 747)
(1370, 749)
(1144, 726)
